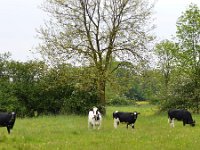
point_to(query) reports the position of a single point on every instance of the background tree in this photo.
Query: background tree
(94, 32)
(7, 99)
(188, 34)
(24, 78)
(166, 52)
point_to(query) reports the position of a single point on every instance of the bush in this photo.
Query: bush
(120, 101)
(80, 102)
(183, 96)
(8, 104)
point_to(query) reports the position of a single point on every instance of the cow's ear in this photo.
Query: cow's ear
(138, 113)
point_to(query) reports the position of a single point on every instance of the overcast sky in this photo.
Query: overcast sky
(20, 18)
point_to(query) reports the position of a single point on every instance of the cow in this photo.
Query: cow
(94, 118)
(180, 115)
(125, 117)
(7, 120)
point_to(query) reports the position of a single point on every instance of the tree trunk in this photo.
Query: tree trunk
(101, 85)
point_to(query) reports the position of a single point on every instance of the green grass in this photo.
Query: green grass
(151, 132)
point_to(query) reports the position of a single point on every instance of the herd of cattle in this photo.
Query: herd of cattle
(95, 118)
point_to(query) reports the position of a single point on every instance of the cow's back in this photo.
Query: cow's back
(126, 117)
(4, 118)
(176, 114)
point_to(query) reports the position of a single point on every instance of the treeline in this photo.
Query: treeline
(32, 87)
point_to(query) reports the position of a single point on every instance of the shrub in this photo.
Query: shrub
(120, 101)
(79, 102)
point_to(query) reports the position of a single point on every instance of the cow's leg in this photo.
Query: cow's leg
(132, 126)
(8, 129)
(94, 125)
(127, 125)
(116, 122)
(172, 122)
(99, 125)
(184, 123)
(90, 125)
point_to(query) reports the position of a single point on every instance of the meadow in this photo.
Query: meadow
(70, 132)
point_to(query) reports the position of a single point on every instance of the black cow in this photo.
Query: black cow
(180, 115)
(7, 120)
(125, 117)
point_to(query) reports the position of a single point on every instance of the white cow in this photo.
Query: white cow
(94, 118)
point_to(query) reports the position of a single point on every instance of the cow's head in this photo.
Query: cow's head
(136, 114)
(193, 123)
(96, 113)
(12, 120)
(116, 119)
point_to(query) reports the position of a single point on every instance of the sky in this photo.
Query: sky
(19, 20)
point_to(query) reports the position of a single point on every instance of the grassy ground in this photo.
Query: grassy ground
(151, 132)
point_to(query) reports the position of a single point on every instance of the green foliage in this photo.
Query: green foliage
(80, 102)
(166, 51)
(135, 93)
(188, 29)
(32, 87)
(8, 102)
(136, 82)
(182, 96)
(120, 80)
(145, 86)
(120, 101)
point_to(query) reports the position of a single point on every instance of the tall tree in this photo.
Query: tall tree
(188, 33)
(166, 50)
(92, 32)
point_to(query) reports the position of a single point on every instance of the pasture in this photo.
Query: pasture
(151, 132)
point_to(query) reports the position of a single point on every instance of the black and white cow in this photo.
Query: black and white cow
(94, 118)
(7, 120)
(180, 115)
(125, 117)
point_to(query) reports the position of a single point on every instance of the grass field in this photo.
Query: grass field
(151, 132)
